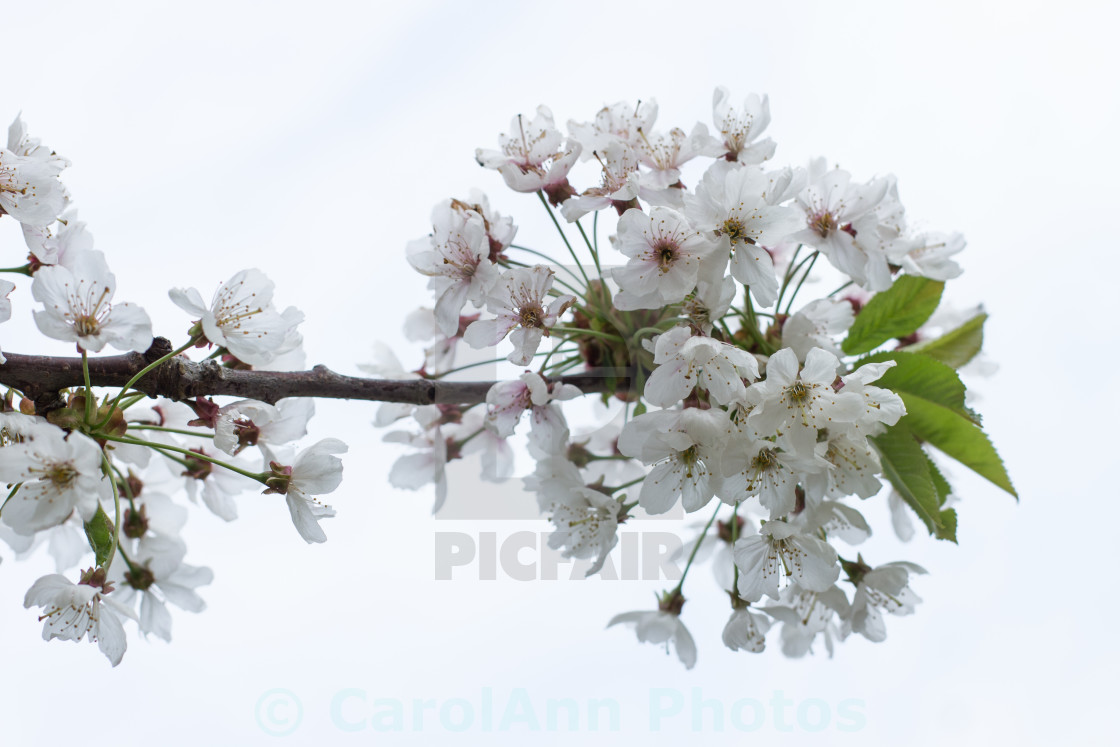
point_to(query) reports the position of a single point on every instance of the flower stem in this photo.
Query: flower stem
(564, 236)
(696, 547)
(786, 277)
(258, 476)
(591, 248)
(160, 428)
(89, 390)
(808, 269)
(107, 468)
(734, 539)
(626, 484)
(593, 333)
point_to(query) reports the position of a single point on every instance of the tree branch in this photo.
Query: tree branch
(41, 377)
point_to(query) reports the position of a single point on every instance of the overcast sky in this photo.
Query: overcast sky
(312, 139)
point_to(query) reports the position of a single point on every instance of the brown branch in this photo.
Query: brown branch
(41, 377)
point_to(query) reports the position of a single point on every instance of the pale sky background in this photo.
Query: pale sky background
(312, 139)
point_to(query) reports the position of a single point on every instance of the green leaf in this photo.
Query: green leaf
(895, 312)
(906, 466)
(940, 484)
(948, 528)
(957, 436)
(956, 347)
(948, 525)
(99, 532)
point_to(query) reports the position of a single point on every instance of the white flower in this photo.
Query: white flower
(66, 542)
(800, 404)
(685, 361)
(59, 474)
(836, 211)
(741, 127)
(660, 626)
(665, 254)
(836, 520)
(928, 255)
(805, 615)
(157, 574)
(619, 121)
(586, 523)
(732, 203)
(518, 300)
(780, 550)
(456, 257)
(252, 423)
(884, 587)
(759, 467)
(854, 465)
(241, 317)
(534, 156)
(77, 307)
(414, 471)
(22, 144)
(61, 245)
(683, 446)
(219, 485)
(620, 183)
(507, 400)
(664, 153)
(710, 303)
(817, 325)
(878, 406)
(315, 471)
(499, 229)
(6, 287)
(73, 611)
(746, 631)
(30, 190)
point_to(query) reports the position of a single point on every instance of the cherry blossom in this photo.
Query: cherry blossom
(59, 472)
(519, 302)
(741, 127)
(314, 472)
(661, 626)
(78, 307)
(534, 156)
(241, 317)
(75, 611)
(664, 258)
(777, 551)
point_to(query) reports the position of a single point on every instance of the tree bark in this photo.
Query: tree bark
(41, 377)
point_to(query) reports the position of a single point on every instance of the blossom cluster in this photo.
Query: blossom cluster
(102, 479)
(737, 393)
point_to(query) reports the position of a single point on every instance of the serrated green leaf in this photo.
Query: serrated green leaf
(895, 312)
(906, 467)
(99, 533)
(948, 529)
(956, 347)
(958, 437)
(940, 484)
